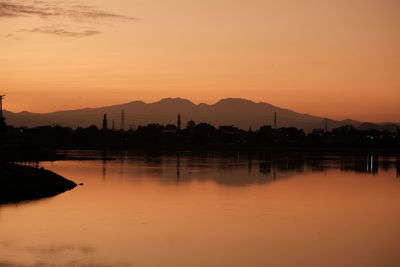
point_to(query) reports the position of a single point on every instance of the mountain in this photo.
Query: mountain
(390, 127)
(230, 111)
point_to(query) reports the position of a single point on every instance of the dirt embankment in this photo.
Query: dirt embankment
(18, 183)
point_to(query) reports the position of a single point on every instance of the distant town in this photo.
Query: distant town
(194, 135)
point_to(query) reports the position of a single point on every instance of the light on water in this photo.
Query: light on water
(211, 210)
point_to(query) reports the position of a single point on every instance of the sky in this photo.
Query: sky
(338, 58)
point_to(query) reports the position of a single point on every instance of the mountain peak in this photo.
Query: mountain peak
(176, 100)
(234, 101)
(137, 102)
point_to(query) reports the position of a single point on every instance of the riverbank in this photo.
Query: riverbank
(19, 183)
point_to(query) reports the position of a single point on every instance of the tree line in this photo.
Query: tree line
(196, 136)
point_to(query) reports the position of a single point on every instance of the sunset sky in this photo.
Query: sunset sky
(336, 58)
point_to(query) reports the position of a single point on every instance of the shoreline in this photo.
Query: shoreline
(21, 183)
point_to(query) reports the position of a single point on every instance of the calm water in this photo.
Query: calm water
(211, 210)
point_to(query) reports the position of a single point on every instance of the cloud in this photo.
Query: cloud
(48, 11)
(62, 32)
(45, 9)
(60, 249)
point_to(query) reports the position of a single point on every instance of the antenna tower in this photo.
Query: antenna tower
(1, 105)
(123, 120)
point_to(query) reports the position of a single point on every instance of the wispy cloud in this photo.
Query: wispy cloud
(47, 11)
(11, 36)
(62, 32)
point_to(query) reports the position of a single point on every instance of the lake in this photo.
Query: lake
(211, 209)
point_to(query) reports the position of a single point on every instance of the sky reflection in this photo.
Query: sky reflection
(136, 209)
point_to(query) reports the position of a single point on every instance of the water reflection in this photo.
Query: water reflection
(243, 169)
(122, 158)
(178, 166)
(261, 167)
(104, 169)
(398, 166)
(210, 209)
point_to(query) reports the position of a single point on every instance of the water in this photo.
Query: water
(211, 210)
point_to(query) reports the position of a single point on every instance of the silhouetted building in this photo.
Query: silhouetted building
(318, 132)
(170, 129)
(190, 125)
(178, 124)
(105, 122)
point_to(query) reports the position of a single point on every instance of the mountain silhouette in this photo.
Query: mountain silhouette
(239, 112)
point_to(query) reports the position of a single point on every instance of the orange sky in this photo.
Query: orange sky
(337, 59)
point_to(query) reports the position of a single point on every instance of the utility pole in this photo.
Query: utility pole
(326, 125)
(179, 122)
(1, 106)
(113, 124)
(275, 121)
(122, 120)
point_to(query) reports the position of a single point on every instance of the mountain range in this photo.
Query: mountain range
(239, 112)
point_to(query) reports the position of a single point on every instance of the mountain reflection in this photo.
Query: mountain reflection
(239, 169)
